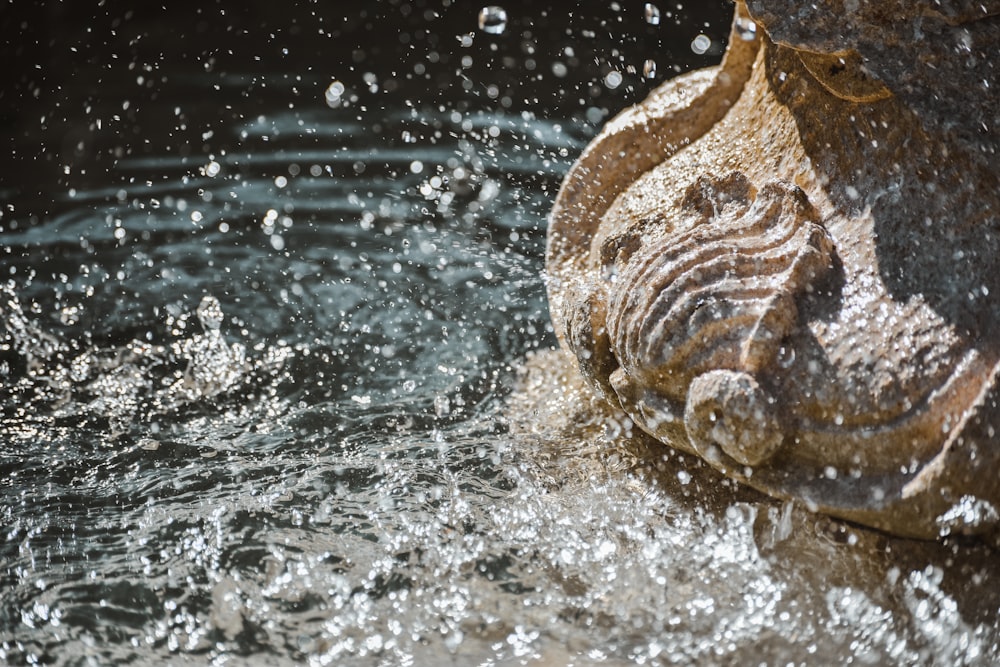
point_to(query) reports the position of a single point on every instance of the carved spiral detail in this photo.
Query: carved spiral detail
(718, 288)
(832, 341)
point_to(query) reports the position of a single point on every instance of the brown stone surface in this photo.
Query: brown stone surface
(790, 264)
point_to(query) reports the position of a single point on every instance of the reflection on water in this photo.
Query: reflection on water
(258, 351)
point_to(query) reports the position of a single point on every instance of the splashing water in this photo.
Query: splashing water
(136, 381)
(353, 446)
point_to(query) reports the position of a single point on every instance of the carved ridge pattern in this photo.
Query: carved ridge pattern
(858, 376)
(721, 292)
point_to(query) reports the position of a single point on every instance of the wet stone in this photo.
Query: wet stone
(776, 293)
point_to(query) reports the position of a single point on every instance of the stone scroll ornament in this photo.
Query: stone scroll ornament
(789, 264)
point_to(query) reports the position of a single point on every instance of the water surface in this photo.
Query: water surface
(269, 276)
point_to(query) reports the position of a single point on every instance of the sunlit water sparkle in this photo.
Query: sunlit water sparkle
(258, 406)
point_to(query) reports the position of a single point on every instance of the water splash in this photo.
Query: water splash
(136, 381)
(966, 515)
(324, 465)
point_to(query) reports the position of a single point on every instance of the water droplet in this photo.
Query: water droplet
(786, 356)
(493, 19)
(968, 512)
(211, 169)
(333, 94)
(210, 313)
(649, 69)
(442, 406)
(701, 44)
(71, 314)
(454, 640)
(746, 29)
(652, 14)
(613, 79)
(605, 549)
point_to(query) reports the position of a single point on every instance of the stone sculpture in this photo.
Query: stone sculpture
(789, 264)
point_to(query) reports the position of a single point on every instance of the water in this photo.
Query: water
(493, 19)
(268, 296)
(746, 28)
(701, 44)
(652, 13)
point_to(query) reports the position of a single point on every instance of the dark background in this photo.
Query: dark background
(158, 77)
